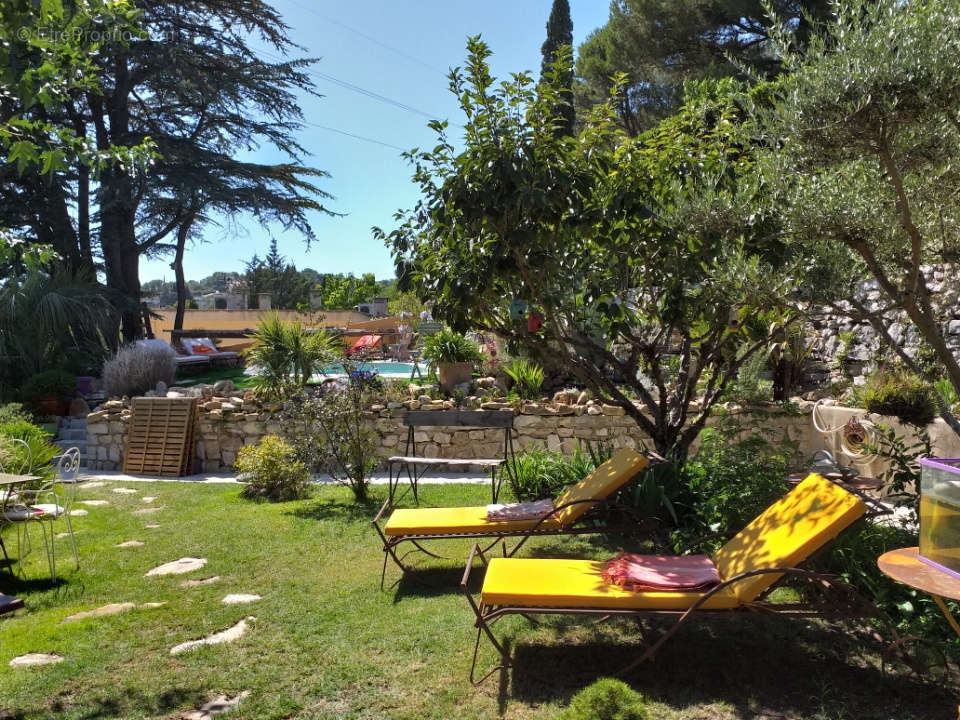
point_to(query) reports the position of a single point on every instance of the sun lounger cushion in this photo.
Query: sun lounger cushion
(609, 477)
(579, 583)
(450, 521)
(788, 532)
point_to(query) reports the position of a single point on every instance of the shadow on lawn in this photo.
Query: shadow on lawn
(434, 581)
(765, 668)
(127, 703)
(338, 511)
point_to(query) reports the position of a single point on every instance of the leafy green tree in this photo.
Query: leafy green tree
(560, 35)
(867, 132)
(660, 44)
(648, 258)
(197, 89)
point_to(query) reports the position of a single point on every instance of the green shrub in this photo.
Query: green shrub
(450, 347)
(271, 470)
(14, 457)
(330, 432)
(11, 412)
(49, 383)
(900, 394)
(748, 388)
(606, 699)
(527, 378)
(734, 479)
(540, 474)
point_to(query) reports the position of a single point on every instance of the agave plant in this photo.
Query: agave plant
(286, 355)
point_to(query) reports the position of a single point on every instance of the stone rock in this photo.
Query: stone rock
(178, 567)
(91, 485)
(125, 491)
(206, 392)
(198, 583)
(223, 386)
(224, 636)
(78, 513)
(564, 409)
(486, 382)
(152, 526)
(424, 399)
(212, 405)
(130, 543)
(110, 609)
(219, 704)
(94, 503)
(582, 398)
(96, 417)
(240, 598)
(148, 511)
(594, 410)
(149, 498)
(31, 659)
(612, 410)
(150, 393)
(79, 407)
(565, 397)
(494, 405)
(161, 388)
(113, 405)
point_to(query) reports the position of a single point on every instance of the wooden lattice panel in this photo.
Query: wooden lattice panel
(161, 436)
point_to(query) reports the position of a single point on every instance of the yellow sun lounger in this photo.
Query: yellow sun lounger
(424, 524)
(770, 548)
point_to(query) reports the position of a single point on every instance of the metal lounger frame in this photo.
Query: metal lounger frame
(391, 543)
(845, 603)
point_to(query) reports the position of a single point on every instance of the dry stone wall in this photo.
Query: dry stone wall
(229, 420)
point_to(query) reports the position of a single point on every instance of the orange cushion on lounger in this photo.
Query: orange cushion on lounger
(609, 477)
(579, 583)
(203, 350)
(788, 532)
(453, 520)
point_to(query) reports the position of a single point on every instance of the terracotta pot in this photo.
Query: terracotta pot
(50, 405)
(452, 374)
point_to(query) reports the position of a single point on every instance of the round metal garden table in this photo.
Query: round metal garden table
(904, 566)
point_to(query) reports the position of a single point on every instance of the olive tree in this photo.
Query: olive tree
(866, 136)
(648, 258)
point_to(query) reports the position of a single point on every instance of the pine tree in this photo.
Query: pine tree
(560, 34)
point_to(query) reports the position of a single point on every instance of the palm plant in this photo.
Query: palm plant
(286, 355)
(53, 319)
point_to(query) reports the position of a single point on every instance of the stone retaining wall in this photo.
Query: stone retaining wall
(237, 419)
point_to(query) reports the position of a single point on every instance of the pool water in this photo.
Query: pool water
(386, 368)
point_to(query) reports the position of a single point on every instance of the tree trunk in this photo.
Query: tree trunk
(177, 265)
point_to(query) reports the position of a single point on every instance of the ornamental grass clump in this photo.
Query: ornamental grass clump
(138, 368)
(272, 470)
(607, 699)
(901, 394)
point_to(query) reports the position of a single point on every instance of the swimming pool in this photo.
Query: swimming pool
(384, 368)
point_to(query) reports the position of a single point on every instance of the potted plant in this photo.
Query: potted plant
(49, 390)
(454, 357)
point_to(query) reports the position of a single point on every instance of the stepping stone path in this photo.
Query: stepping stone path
(149, 498)
(93, 484)
(94, 503)
(178, 567)
(125, 491)
(239, 599)
(149, 510)
(78, 513)
(111, 609)
(224, 636)
(131, 543)
(62, 535)
(152, 526)
(198, 583)
(31, 659)
(219, 704)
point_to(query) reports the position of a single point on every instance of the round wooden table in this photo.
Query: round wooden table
(904, 566)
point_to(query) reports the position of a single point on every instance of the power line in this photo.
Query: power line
(354, 135)
(358, 89)
(370, 38)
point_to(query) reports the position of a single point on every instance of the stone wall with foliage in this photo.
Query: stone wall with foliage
(230, 419)
(852, 346)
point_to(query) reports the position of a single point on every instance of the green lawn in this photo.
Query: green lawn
(327, 643)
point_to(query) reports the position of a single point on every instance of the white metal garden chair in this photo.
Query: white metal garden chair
(17, 511)
(56, 504)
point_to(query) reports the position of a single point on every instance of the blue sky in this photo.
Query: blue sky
(370, 182)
